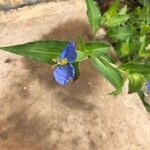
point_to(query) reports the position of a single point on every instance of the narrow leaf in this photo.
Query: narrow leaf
(109, 71)
(94, 14)
(144, 50)
(113, 10)
(116, 20)
(80, 44)
(42, 51)
(96, 49)
(142, 96)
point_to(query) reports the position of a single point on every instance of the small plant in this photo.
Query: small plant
(128, 35)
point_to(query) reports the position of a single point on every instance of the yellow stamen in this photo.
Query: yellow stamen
(63, 62)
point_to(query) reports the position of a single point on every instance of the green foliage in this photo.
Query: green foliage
(120, 33)
(129, 34)
(112, 10)
(135, 82)
(125, 49)
(110, 72)
(141, 95)
(94, 14)
(136, 67)
(96, 49)
(116, 20)
(146, 3)
(42, 51)
(123, 10)
(81, 56)
(80, 44)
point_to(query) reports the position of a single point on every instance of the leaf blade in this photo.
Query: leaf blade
(96, 49)
(141, 68)
(116, 20)
(110, 73)
(42, 51)
(112, 10)
(94, 14)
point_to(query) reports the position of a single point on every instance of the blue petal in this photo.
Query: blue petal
(71, 71)
(69, 52)
(63, 74)
(148, 86)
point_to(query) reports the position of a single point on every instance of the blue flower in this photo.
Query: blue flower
(148, 86)
(64, 71)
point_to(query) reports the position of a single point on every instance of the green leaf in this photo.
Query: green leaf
(148, 14)
(80, 44)
(42, 51)
(123, 11)
(145, 29)
(142, 49)
(140, 68)
(147, 106)
(135, 82)
(94, 14)
(144, 52)
(146, 3)
(112, 10)
(81, 55)
(81, 51)
(142, 96)
(96, 49)
(125, 50)
(120, 33)
(110, 72)
(116, 20)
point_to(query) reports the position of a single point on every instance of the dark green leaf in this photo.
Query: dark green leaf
(42, 51)
(147, 106)
(94, 14)
(110, 72)
(135, 82)
(146, 3)
(142, 96)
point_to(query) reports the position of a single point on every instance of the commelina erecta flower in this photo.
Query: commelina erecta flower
(148, 87)
(64, 70)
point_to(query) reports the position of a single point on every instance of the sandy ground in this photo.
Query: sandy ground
(12, 4)
(38, 114)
